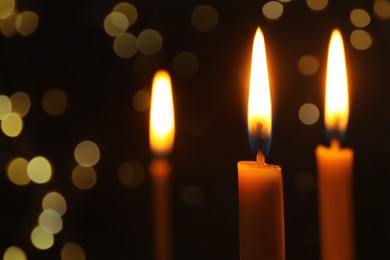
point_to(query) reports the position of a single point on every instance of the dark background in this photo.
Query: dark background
(71, 51)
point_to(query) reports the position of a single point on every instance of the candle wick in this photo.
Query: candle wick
(260, 140)
(260, 158)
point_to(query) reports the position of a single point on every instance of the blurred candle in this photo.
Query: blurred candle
(335, 163)
(260, 187)
(161, 139)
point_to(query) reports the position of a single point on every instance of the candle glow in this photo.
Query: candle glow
(336, 94)
(259, 101)
(162, 120)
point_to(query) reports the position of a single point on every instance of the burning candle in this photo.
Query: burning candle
(161, 138)
(335, 163)
(260, 187)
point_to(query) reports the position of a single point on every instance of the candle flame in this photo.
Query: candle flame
(162, 120)
(336, 94)
(259, 100)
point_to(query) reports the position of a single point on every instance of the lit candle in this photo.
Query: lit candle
(161, 138)
(335, 163)
(260, 187)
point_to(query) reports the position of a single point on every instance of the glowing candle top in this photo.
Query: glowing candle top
(162, 120)
(259, 101)
(336, 93)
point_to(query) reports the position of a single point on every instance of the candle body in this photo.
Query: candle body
(261, 214)
(335, 167)
(160, 172)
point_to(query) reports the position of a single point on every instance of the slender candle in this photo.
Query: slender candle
(260, 187)
(335, 163)
(161, 138)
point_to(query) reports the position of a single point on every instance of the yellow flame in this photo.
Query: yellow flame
(162, 120)
(259, 101)
(336, 94)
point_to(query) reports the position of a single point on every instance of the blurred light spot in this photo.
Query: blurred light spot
(304, 182)
(310, 236)
(204, 18)
(317, 5)
(6, 8)
(84, 178)
(360, 39)
(115, 24)
(87, 153)
(192, 195)
(17, 171)
(7, 26)
(5, 106)
(185, 64)
(39, 170)
(26, 22)
(125, 45)
(141, 100)
(14, 253)
(55, 201)
(382, 9)
(72, 251)
(12, 125)
(131, 174)
(150, 42)
(284, 1)
(50, 220)
(20, 103)
(42, 238)
(128, 10)
(54, 102)
(308, 65)
(360, 18)
(309, 114)
(273, 10)
(197, 123)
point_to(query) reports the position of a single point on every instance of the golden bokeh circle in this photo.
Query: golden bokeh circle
(317, 5)
(14, 253)
(308, 65)
(115, 23)
(125, 45)
(55, 201)
(72, 251)
(7, 25)
(87, 153)
(42, 238)
(6, 8)
(149, 42)
(17, 171)
(309, 114)
(5, 106)
(360, 17)
(84, 178)
(273, 10)
(26, 22)
(360, 39)
(128, 10)
(204, 18)
(12, 125)
(141, 100)
(20, 103)
(50, 220)
(39, 170)
(131, 174)
(54, 102)
(382, 9)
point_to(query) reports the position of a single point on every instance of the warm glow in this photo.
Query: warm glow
(162, 121)
(259, 101)
(336, 96)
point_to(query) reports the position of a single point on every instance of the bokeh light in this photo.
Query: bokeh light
(185, 64)
(309, 114)
(20, 103)
(42, 238)
(272, 10)
(84, 178)
(72, 251)
(14, 253)
(192, 195)
(54, 102)
(55, 201)
(317, 5)
(12, 125)
(141, 100)
(304, 182)
(125, 45)
(50, 220)
(5, 106)
(382, 9)
(7, 26)
(115, 23)
(360, 17)
(87, 153)
(26, 22)
(131, 174)
(128, 10)
(6, 8)
(204, 18)
(360, 39)
(39, 170)
(150, 42)
(17, 171)
(308, 65)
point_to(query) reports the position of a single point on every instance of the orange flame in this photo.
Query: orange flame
(162, 120)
